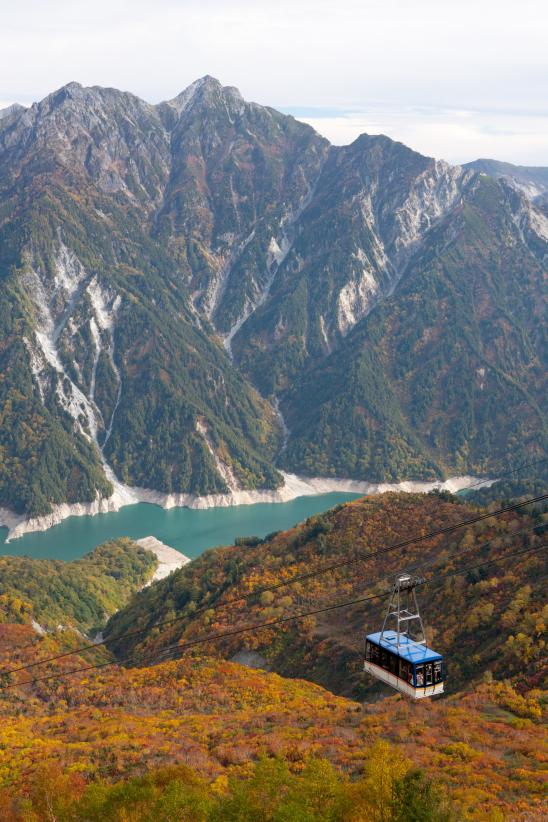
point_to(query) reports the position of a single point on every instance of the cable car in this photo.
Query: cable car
(399, 659)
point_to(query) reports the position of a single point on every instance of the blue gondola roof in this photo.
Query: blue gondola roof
(408, 649)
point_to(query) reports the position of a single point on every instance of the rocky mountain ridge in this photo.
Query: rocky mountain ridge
(162, 265)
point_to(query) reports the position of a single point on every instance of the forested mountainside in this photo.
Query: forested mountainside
(489, 619)
(81, 594)
(171, 275)
(508, 490)
(448, 372)
(212, 740)
(206, 739)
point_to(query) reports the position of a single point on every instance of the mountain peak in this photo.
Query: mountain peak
(204, 87)
(13, 109)
(209, 80)
(72, 89)
(532, 181)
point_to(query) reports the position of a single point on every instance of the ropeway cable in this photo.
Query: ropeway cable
(260, 591)
(297, 578)
(181, 648)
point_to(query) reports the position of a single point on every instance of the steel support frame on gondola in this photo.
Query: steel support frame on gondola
(404, 583)
(398, 658)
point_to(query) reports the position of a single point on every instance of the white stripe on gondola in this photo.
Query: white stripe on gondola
(399, 684)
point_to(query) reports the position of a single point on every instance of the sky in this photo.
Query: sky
(456, 80)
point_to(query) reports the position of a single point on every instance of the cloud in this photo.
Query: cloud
(468, 56)
(457, 136)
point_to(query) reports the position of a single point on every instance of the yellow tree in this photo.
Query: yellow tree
(373, 797)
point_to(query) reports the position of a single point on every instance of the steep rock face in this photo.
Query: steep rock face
(374, 203)
(111, 138)
(450, 369)
(47, 454)
(11, 111)
(107, 333)
(73, 317)
(240, 176)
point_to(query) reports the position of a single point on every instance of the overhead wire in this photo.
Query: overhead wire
(415, 569)
(360, 557)
(382, 595)
(182, 647)
(258, 592)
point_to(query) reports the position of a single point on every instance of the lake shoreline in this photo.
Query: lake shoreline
(294, 486)
(169, 559)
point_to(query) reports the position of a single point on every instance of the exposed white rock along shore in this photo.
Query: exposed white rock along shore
(293, 487)
(169, 559)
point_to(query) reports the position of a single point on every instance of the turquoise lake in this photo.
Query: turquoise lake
(188, 530)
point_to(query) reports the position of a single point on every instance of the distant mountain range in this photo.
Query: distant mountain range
(199, 294)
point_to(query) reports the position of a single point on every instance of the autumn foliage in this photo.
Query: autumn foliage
(203, 738)
(491, 617)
